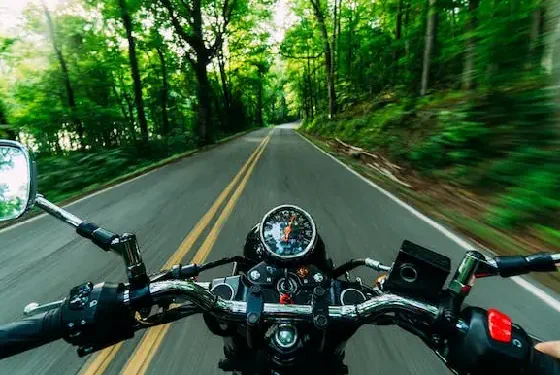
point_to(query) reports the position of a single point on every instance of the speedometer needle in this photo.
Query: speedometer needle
(288, 229)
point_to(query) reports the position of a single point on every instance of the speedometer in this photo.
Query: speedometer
(288, 232)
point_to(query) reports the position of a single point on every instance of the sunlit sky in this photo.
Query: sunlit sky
(11, 10)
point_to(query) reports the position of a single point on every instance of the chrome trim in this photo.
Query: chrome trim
(309, 247)
(465, 274)
(235, 310)
(191, 291)
(404, 268)
(344, 292)
(57, 212)
(277, 334)
(292, 280)
(376, 265)
(204, 284)
(126, 297)
(391, 302)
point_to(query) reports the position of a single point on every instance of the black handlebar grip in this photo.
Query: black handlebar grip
(30, 333)
(519, 265)
(99, 236)
(542, 364)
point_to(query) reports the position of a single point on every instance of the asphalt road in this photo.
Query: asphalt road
(41, 260)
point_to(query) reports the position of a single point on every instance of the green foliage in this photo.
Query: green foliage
(456, 140)
(533, 198)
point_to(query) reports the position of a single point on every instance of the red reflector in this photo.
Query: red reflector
(499, 325)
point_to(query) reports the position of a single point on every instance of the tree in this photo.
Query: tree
(429, 46)
(187, 20)
(134, 71)
(398, 33)
(319, 14)
(470, 50)
(553, 44)
(65, 76)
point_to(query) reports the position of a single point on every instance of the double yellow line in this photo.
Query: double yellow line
(140, 360)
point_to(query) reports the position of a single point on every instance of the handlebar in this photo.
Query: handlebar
(48, 326)
(236, 310)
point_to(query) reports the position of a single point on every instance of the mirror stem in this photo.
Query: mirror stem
(57, 212)
(127, 246)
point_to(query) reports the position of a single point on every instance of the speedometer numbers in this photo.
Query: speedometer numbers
(288, 232)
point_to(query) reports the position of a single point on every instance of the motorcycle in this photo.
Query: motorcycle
(285, 308)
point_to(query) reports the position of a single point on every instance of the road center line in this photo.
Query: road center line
(140, 360)
(98, 364)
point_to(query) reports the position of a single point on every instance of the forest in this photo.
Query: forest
(98, 89)
(462, 95)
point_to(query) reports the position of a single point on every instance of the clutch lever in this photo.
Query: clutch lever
(34, 308)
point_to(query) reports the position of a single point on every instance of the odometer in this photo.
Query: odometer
(288, 232)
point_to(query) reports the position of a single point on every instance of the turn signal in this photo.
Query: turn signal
(499, 325)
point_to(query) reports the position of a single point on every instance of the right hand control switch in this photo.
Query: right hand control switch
(488, 343)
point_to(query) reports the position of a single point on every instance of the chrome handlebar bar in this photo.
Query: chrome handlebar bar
(236, 310)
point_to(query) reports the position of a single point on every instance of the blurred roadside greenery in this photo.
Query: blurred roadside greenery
(463, 94)
(470, 143)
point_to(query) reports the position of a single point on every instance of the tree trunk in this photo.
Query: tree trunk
(225, 89)
(398, 32)
(328, 56)
(164, 93)
(536, 37)
(535, 27)
(66, 78)
(429, 46)
(314, 84)
(310, 85)
(552, 34)
(259, 117)
(122, 107)
(305, 94)
(135, 72)
(337, 46)
(407, 33)
(334, 40)
(223, 79)
(552, 46)
(130, 107)
(470, 53)
(204, 107)
(349, 51)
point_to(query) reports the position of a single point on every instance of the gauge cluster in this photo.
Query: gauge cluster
(287, 233)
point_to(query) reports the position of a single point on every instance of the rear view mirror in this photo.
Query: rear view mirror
(17, 180)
